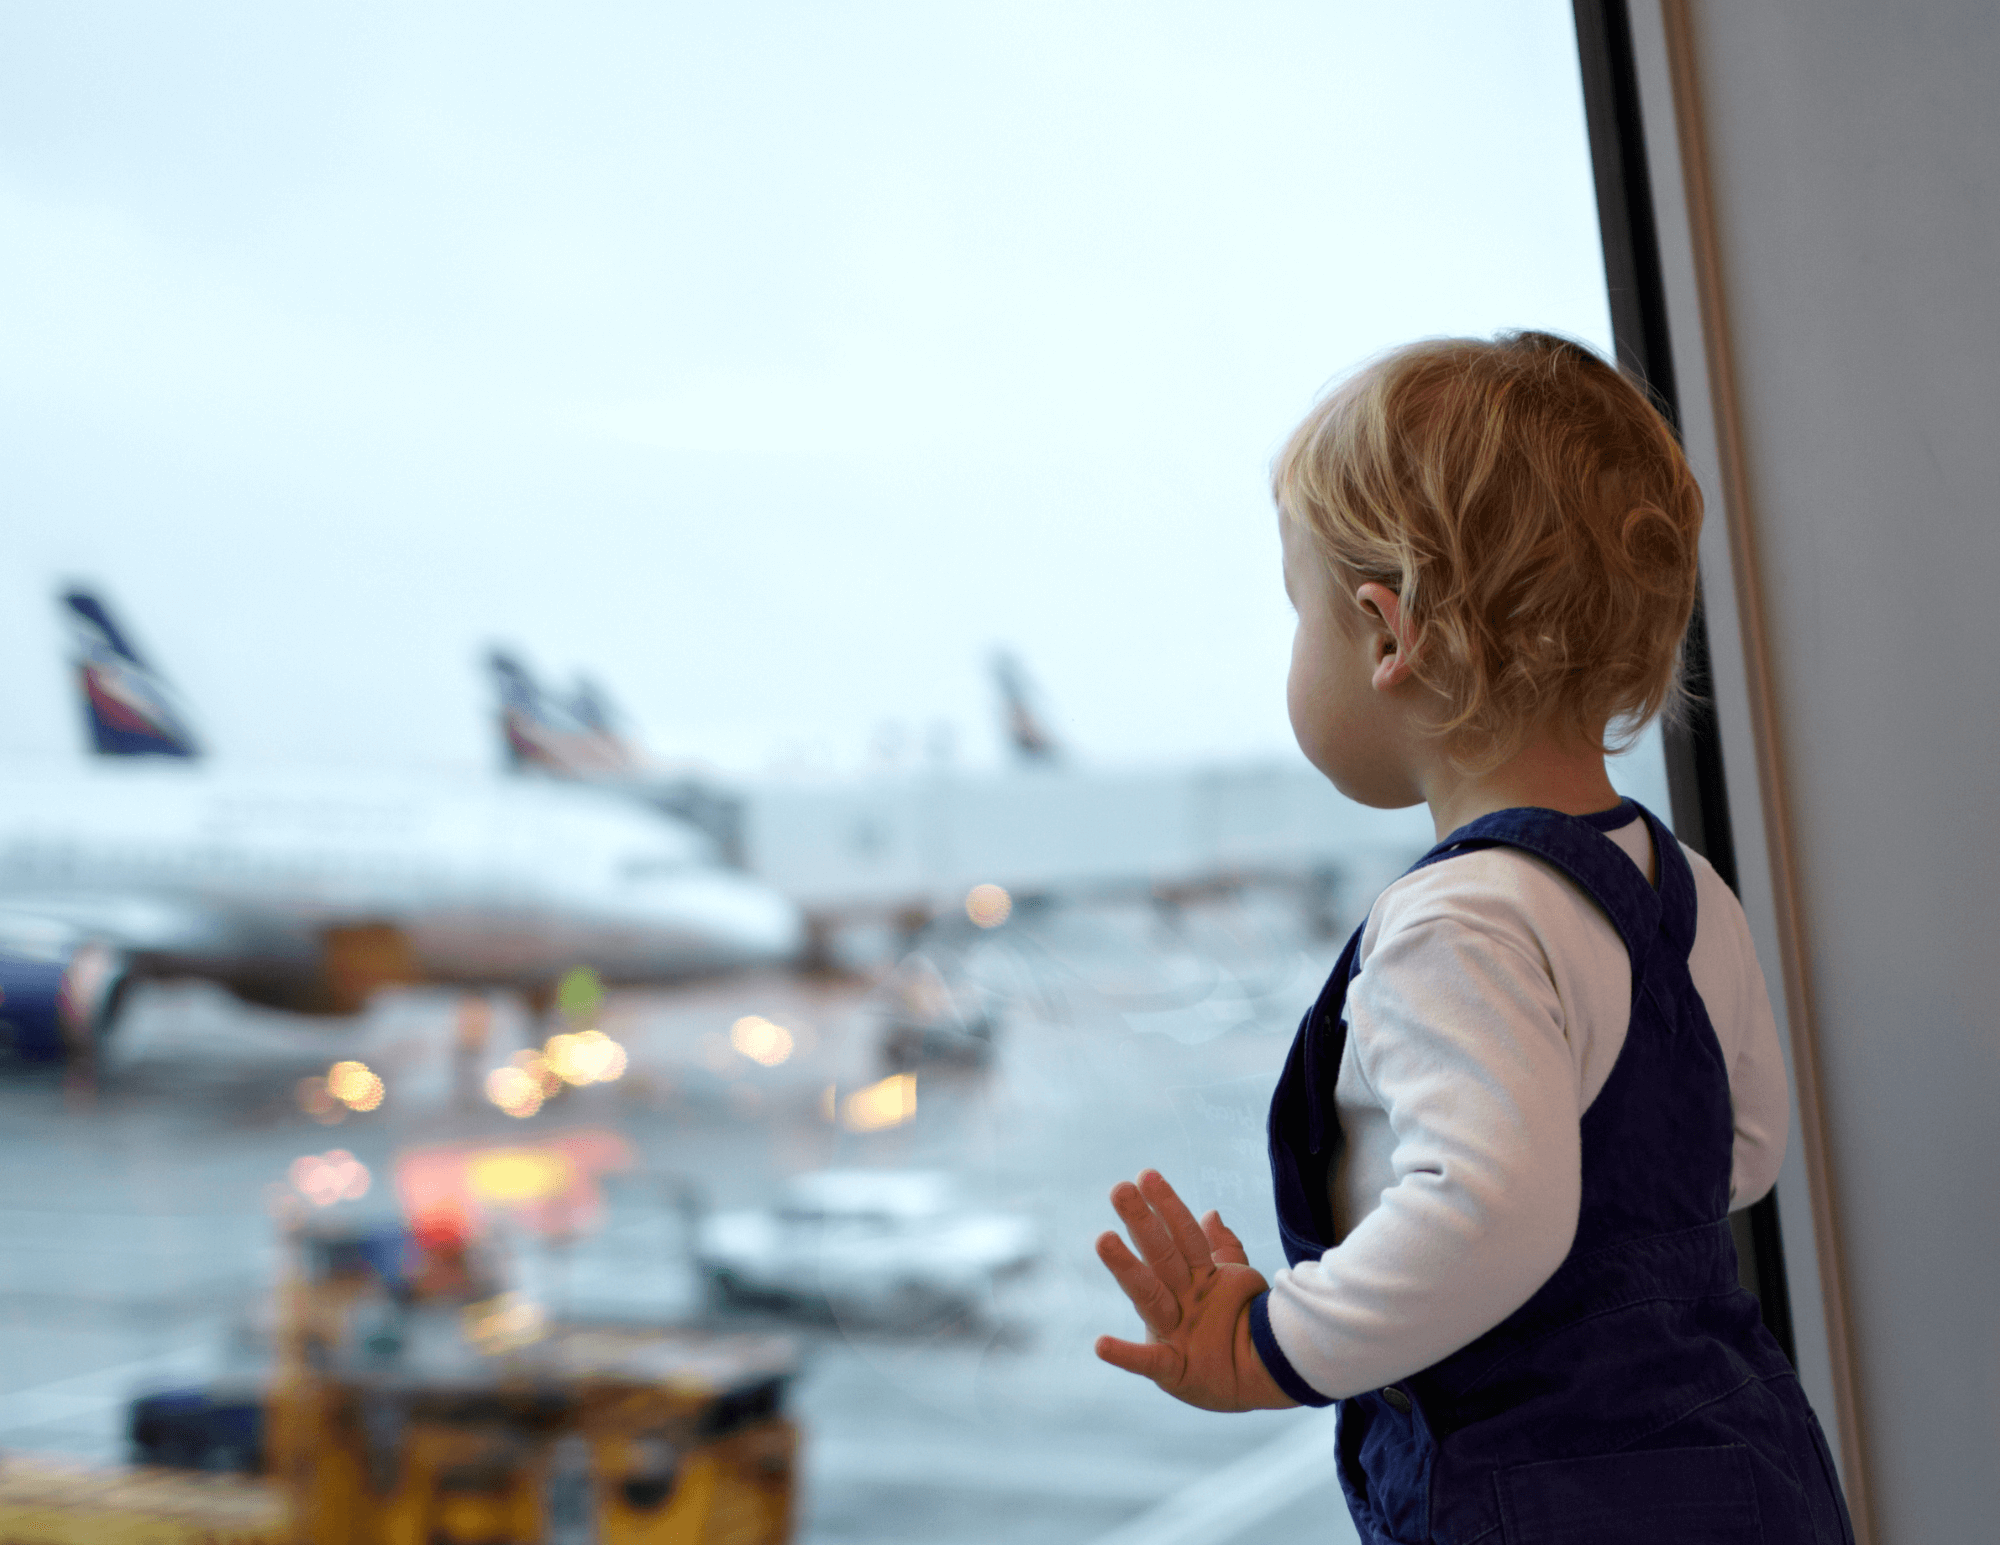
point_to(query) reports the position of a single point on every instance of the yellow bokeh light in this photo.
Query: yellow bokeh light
(515, 1090)
(536, 1066)
(888, 1103)
(760, 1040)
(519, 1175)
(355, 1085)
(988, 905)
(587, 1057)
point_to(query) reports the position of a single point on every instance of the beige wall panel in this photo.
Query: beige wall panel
(1854, 161)
(1730, 671)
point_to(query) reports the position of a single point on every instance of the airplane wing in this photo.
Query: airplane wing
(135, 924)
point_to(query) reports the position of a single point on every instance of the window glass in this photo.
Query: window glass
(647, 701)
(1640, 772)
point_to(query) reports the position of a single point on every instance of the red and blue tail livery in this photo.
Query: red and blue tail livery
(543, 733)
(127, 706)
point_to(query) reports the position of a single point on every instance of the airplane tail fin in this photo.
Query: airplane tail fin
(520, 700)
(128, 706)
(544, 734)
(593, 709)
(1026, 733)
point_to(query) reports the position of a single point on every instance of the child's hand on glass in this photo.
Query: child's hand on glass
(1192, 1286)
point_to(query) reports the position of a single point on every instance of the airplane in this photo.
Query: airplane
(129, 709)
(912, 847)
(543, 733)
(1029, 737)
(576, 740)
(308, 891)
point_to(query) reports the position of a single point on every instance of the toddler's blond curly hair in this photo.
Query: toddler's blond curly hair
(1535, 515)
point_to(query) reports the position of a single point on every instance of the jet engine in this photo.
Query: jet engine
(57, 997)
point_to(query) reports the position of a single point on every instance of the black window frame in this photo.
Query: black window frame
(1637, 290)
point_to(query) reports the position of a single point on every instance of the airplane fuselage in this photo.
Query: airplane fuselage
(300, 888)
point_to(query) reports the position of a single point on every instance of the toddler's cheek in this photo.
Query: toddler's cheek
(1312, 716)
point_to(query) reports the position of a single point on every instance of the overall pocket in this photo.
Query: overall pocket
(1671, 1496)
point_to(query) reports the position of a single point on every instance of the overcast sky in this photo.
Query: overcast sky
(773, 362)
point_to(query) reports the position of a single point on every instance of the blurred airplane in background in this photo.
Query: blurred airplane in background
(129, 709)
(568, 737)
(310, 891)
(907, 847)
(1027, 733)
(576, 739)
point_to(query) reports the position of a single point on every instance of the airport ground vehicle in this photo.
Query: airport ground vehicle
(411, 1400)
(888, 1247)
(45, 1501)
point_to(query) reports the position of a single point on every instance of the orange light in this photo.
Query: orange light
(355, 1085)
(988, 905)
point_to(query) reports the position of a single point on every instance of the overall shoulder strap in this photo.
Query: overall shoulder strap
(1323, 1039)
(1599, 868)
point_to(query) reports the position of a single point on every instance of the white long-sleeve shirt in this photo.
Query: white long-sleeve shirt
(1492, 999)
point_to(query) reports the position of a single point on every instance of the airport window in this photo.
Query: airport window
(649, 740)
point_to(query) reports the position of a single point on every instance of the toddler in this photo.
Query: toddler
(1508, 1135)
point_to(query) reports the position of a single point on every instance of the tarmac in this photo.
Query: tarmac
(139, 1237)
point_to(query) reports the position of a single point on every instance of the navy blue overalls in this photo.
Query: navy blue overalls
(1636, 1397)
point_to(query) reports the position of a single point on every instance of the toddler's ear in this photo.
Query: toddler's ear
(1392, 636)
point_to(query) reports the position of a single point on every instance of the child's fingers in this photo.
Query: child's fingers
(1157, 1307)
(1173, 1212)
(1153, 1360)
(1151, 1235)
(1222, 1244)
